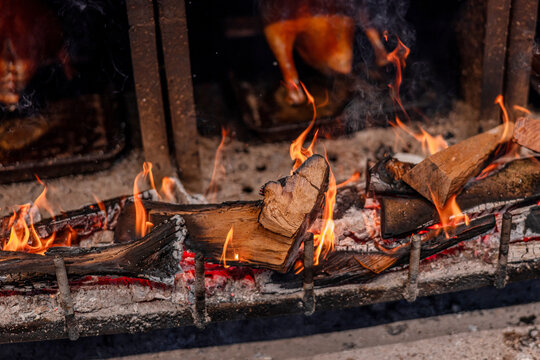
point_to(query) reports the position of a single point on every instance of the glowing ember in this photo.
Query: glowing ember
(228, 240)
(141, 224)
(297, 151)
(211, 191)
(24, 237)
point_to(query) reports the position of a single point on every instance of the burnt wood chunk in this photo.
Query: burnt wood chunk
(155, 256)
(527, 133)
(385, 177)
(445, 173)
(518, 181)
(252, 243)
(286, 206)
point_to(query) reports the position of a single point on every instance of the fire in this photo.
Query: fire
(430, 144)
(354, 177)
(506, 119)
(102, 208)
(23, 235)
(297, 151)
(212, 189)
(522, 109)
(228, 241)
(167, 189)
(324, 242)
(141, 224)
(450, 214)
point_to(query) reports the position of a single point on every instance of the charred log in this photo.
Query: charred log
(265, 233)
(445, 173)
(385, 177)
(155, 256)
(518, 181)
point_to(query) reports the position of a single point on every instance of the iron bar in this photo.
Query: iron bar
(497, 19)
(504, 244)
(520, 51)
(200, 292)
(309, 294)
(64, 298)
(411, 288)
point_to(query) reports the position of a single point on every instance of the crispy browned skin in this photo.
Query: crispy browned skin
(30, 36)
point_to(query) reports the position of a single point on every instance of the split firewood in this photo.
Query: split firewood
(527, 133)
(264, 233)
(517, 181)
(444, 174)
(385, 177)
(156, 256)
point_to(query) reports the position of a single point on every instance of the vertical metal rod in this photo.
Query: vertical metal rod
(309, 294)
(520, 44)
(504, 244)
(411, 290)
(200, 291)
(497, 19)
(64, 298)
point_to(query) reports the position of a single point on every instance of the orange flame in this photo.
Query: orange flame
(167, 189)
(297, 151)
(430, 144)
(211, 191)
(228, 241)
(450, 214)
(506, 119)
(522, 109)
(102, 208)
(354, 177)
(24, 237)
(397, 57)
(324, 242)
(141, 224)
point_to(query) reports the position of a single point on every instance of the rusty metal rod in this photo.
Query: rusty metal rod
(504, 244)
(309, 294)
(411, 290)
(200, 292)
(493, 67)
(520, 51)
(64, 298)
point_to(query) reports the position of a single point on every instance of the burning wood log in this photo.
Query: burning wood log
(156, 256)
(264, 233)
(516, 182)
(385, 177)
(445, 173)
(527, 133)
(354, 266)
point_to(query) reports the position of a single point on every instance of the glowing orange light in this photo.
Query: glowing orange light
(101, 206)
(353, 178)
(522, 109)
(450, 214)
(167, 189)
(211, 191)
(228, 240)
(297, 151)
(23, 236)
(488, 170)
(506, 119)
(324, 242)
(430, 144)
(141, 224)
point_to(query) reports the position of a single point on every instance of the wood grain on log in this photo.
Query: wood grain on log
(155, 256)
(294, 202)
(527, 133)
(445, 173)
(518, 180)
